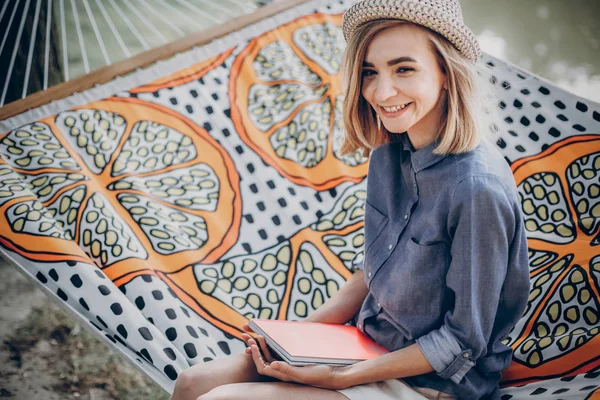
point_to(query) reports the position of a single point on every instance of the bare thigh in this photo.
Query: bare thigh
(201, 378)
(271, 390)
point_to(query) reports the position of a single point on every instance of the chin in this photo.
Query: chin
(394, 129)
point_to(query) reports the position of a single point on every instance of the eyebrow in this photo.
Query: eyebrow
(392, 62)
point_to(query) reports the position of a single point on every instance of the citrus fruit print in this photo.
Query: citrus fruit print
(287, 100)
(125, 181)
(559, 191)
(168, 214)
(287, 281)
(185, 75)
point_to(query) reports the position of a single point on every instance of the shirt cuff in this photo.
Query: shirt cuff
(444, 354)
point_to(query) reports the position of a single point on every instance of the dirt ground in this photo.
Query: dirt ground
(46, 355)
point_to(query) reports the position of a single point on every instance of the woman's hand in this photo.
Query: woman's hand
(268, 356)
(322, 376)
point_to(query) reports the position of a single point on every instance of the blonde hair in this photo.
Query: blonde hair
(468, 101)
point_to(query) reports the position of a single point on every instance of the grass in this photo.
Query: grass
(80, 362)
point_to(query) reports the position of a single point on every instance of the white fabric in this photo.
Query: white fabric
(392, 389)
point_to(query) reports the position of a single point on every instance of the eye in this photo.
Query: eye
(405, 69)
(367, 72)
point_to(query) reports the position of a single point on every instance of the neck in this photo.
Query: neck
(420, 140)
(427, 129)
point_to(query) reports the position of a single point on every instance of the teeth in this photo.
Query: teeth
(395, 108)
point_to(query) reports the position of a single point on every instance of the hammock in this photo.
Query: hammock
(165, 208)
(72, 38)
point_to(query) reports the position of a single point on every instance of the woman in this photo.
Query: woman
(445, 274)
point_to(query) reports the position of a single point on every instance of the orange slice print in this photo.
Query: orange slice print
(185, 75)
(287, 281)
(134, 195)
(287, 102)
(559, 191)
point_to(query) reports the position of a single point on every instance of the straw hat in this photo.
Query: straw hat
(441, 16)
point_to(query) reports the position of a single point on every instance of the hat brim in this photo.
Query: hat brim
(422, 14)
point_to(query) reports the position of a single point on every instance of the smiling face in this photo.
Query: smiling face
(400, 68)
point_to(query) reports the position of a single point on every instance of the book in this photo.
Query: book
(307, 343)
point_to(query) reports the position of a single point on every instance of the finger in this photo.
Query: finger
(259, 362)
(253, 342)
(264, 368)
(277, 375)
(246, 337)
(248, 331)
(265, 349)
(256, 356)
(284, 369)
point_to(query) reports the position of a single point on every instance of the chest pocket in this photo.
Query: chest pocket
(412, 281)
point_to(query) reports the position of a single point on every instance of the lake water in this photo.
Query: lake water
(556, 39)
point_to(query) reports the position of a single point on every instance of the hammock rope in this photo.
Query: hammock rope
(109, 22)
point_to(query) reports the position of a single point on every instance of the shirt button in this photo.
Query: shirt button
(370, 274)
(466, 355)
(378, 305)
(390, 247)
(405, 216)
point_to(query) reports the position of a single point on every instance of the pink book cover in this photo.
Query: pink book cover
(320, 341)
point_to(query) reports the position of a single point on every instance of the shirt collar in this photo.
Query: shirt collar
(422, 158)
(401, 138)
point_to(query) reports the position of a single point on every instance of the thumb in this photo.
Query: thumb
(281, 366)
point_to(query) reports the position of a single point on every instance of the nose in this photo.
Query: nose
(384, 90)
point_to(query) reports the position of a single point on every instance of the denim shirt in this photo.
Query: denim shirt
(446, 262)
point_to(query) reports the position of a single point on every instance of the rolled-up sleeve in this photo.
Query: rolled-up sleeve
(481, 225)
